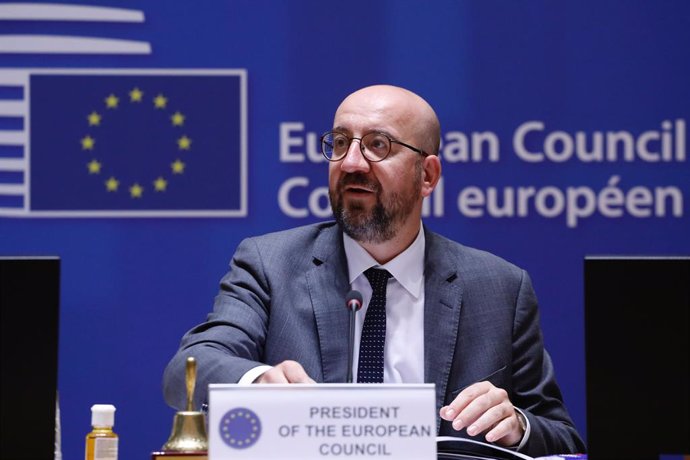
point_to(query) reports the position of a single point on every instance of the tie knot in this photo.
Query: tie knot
(377, 278)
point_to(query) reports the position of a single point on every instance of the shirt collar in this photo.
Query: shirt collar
(407, 267)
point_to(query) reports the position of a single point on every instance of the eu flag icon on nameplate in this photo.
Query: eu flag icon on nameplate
(123, 143)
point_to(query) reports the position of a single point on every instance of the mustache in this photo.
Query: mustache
(357, 179)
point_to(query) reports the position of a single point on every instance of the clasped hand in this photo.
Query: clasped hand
(484, 408)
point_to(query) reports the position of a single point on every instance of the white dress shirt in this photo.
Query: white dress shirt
(403, 354)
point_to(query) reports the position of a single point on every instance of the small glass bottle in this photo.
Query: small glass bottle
(101, 443)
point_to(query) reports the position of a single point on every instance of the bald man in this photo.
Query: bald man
(457, 317)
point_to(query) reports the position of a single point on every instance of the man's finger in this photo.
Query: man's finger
(462, 400)
(507, 433)
(285, 372)
(295, 373)
(273, 375)
(489, 418)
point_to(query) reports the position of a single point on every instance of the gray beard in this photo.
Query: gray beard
(375, 227)
(379, 225)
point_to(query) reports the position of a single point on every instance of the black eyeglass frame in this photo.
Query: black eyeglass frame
(363, 149)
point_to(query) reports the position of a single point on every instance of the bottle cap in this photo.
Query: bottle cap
(102, 415)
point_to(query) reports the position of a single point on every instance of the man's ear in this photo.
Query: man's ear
(432, 173)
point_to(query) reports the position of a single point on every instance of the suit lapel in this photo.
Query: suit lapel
(328, 285)
(442, 302)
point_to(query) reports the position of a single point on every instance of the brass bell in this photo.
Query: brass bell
(188, 433)
(189, 426)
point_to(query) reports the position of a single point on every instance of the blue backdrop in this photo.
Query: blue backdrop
(564, 134)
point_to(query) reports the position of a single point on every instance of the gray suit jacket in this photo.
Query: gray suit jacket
(284, 299)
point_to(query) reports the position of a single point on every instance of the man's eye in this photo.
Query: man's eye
(340, 142)
(377, 143)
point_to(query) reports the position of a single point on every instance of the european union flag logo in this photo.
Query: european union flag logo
(133, 143)
(240, 428)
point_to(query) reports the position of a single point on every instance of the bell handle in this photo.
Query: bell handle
(190, 380)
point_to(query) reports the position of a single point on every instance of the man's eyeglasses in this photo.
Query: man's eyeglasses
(375, 146)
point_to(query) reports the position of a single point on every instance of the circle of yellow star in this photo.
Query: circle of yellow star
(94, 119)
(94, 167)
(184, 143)
(112, 184)
(136, 95)
(87, 143)
(111, 101)
(177, 119)
(136, 191)
(160, 184)
(177, 167)
(160, 101)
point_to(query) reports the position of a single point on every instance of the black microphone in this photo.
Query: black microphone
(353, 302)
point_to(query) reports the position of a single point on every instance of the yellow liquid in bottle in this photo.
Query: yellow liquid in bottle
(101, 444)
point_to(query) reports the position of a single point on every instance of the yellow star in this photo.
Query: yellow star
(111, 101)
(87, 143)
(136, 95)
(184, 143)
(136, 191)
(160, 184)
(177, 119)
(94, 167)
(177, 167)
(112, 184)
(94, 119)
(160, 101)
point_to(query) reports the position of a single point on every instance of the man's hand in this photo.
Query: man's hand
(484, 408)
(285, 372)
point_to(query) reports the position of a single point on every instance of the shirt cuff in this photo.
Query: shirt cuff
(528, 429)
(253, 374)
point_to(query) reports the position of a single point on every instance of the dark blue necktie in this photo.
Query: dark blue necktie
(370, 367)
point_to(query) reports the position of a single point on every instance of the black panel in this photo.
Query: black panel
(29, 311)
(637, 323)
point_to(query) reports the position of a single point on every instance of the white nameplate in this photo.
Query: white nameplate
(322, 421)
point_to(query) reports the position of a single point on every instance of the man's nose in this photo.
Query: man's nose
(354, 160)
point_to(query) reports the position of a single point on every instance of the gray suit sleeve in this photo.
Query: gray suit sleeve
(230, 341)
(535, 390)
